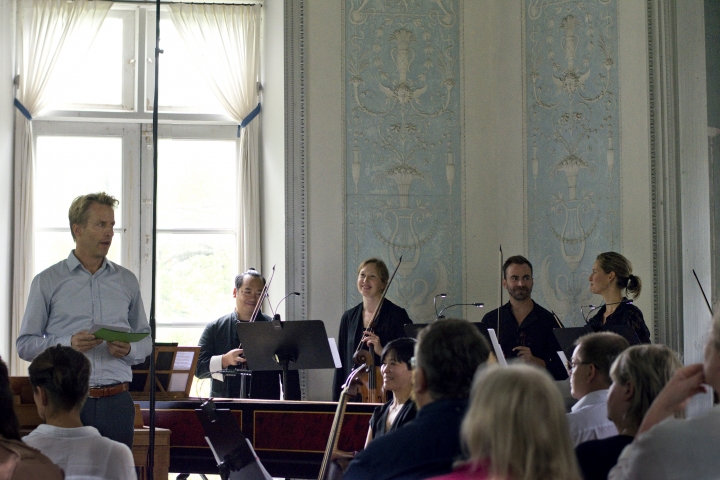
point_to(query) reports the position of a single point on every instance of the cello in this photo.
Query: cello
(364, 386)
(330, 470)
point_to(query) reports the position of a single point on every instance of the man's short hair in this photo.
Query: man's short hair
(78, 213)
(516, 260)
(449, 351)
(601, 349)
(241, 278)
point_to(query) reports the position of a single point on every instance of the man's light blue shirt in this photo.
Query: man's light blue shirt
(66, 299)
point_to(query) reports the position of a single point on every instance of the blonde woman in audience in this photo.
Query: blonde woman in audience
(515, 428)
(669, 448)
(60, 380)
(638, 374)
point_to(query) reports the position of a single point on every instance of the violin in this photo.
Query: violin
(365, 388)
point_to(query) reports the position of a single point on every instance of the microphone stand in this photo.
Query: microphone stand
(476, 304)
(595, 307)
(276, 316)
(441, 295)
(151, 440)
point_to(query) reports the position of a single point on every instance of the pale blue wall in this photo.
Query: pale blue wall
(573, 158)
(402, 147)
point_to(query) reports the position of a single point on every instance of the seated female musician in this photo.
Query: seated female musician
(397, 378)
(60, 379)
(372, 279)
(515, 428)
(638, 374)
(611, 274)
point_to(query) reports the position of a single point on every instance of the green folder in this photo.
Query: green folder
(115, 336)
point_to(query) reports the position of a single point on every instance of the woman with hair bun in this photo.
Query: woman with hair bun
(60, 380)
(611, 278)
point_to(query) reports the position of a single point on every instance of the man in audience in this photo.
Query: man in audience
(589, 384)
(447, 354)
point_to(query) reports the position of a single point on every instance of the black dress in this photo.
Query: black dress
(378, 421)
(389, 326)
(624, 314)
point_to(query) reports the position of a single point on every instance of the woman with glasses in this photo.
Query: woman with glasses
(638, 374)
(612, 278)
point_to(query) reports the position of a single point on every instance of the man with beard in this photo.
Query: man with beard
(526, 328)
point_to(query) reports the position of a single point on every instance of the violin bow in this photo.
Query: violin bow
(382, 299)
(703, 292)
(265, 289)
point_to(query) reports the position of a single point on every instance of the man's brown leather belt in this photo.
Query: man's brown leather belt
(109, 391)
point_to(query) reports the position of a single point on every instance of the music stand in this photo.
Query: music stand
(294, 345)
(235, 457)
(566, 337)
(413, 329)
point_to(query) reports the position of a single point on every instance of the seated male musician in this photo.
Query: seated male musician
(447, 354)
(221, 349)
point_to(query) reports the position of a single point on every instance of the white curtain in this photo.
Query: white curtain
(224, 41)
(51, 32)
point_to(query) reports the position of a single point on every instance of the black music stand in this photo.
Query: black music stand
(294, 345)
(412, 329)
(567, 336)
(234, 455)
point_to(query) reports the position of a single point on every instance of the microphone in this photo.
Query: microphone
(275, 314)
(595, 307)
(476, 304)
(441, 295)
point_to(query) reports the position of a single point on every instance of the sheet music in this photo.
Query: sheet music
(178, 381)
(496, 346)
(335, 353)
(564, 360)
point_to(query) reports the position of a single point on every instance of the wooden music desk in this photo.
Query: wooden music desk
(289, 437)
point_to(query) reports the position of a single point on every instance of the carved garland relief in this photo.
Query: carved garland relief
(402, 120)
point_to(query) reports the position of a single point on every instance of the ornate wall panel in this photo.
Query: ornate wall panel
(572, 146)
(402, 147)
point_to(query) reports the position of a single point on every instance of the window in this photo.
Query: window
(96, 135)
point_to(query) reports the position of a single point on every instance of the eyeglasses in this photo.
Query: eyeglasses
(571, 366)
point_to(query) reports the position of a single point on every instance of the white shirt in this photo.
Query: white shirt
(82, 453)
(675, 449)
(588, 419)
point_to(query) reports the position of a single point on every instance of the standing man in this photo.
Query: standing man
(87, 289)
(526, 328)
(220, 348)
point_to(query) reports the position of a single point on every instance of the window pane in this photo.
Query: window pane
(97, 80)
(51, 247)
(70, 166)
(181, 83)
(195, 276)
(196, 184)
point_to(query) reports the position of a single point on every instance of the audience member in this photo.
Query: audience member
(60, 380)
(17, 460)
(515, 428)
(447, 355)
(638, 375)
(668, 448)
(589, 383)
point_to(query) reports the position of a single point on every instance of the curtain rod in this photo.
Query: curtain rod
(169, 2)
